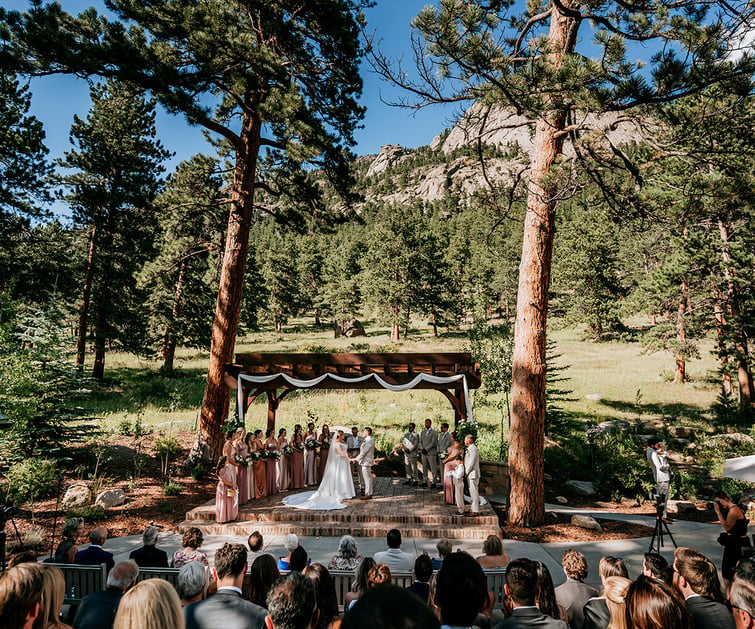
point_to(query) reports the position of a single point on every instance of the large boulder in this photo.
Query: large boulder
(353, 328)
(586, 522)
(110, 498)
(581, 487)
(747, 499)
(681, 506)
(77, 496)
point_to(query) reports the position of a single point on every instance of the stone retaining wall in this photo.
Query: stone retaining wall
(494, 478)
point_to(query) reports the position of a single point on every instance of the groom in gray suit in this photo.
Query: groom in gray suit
(365, 459)
(472, 471)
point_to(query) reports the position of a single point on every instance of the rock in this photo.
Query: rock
(389, 155)
(562, 500)
(353, 328)
(731, 439)
(628, 502)
(747, 499)
(681, 506)
(547, 477)
(110, 498)
(77, 496)
(586, 522)
(610, 427)
(581, 487)
(685, 432)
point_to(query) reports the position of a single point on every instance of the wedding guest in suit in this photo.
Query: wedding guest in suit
(292, 604)
(149, 555)
(461, 590)
(297, 459)
(395, 558)
(191, 583)
(21, 593)
(652, 604)
(521, 587)
(226, 608)
(696, 578)
(151, 604)
(428, 444)
(97, 610)
(742, 597)
(325, 594)
(263, 574)
(94, 555)
(574, 593)
(445, 440)
(597, 615)
(365, 459)
(390, 607)
(472, 472)
(654, 566)
(347, 557)
(191, 541)
(493, 556)
(411, 455)
(423, 570)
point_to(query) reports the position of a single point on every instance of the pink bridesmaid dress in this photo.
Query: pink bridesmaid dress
(226, 495)
(243, 474)
(297, 463)
(271, 469)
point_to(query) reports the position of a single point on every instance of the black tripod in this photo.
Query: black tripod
(6, 513)
(660, 526)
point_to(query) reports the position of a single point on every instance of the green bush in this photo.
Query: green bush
(166, 507)
(199, 472)
(90, 513)
(31, 479)
(172, 488)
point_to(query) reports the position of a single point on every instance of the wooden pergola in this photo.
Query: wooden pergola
(395, 369)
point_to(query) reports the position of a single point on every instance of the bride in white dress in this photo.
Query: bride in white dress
(336, 484)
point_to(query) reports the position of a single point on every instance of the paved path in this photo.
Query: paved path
(320, 549)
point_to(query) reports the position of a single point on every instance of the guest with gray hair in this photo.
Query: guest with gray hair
(444, 547)
(347, 557)
(97, 610)
(290, 543)
(149, 555)
(291, 603)
(191, 583)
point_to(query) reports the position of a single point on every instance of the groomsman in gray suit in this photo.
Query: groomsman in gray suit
(444, 441)
(411, 454)
(365, 459)
(472, 470)
(428, 443)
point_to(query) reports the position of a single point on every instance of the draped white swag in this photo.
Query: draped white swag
(307, 384)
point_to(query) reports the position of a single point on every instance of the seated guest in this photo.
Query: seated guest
(191, 583)
(696, 578)
(396, 559)
(263, 574)
(255, 543)
(226, 608)
(67, 549)
(347, 557)
(379, 574)
(21, 593)
(742, 597)
(359, 585)
(149, 555)
(325, 594)
(574, 593)
(390, 607)
(290, 543)
(291, 603)
(616, 600)
(652, 604)
(54, 593)
(745, 570)
(151, 604)
(423, 570)
(192, 540)
(298, 560)
(653, 566)
(461, 590)
(493, 556)
(444, 547)
(521, 587)
(595, 610)
(25, 556)
(546, 593)
(97, 610)
(94, 555)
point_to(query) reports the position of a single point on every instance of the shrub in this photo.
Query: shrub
(199, 472)
(166, 447)
(172, 488)
(31, 479)
(35, 537)
(166, 507)
(90, 513)
(467, 428)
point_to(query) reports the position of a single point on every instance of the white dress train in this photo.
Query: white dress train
(336, 485)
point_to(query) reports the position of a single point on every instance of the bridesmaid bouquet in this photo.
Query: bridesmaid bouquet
(240, 460)
(325, 444)
(264, 454)
(252, 458)
(273, 454)
(288, 451)
(312, 444)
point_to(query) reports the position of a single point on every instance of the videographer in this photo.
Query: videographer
(659, 461)
(734, 536)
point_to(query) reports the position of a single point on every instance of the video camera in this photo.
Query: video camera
(6, 513)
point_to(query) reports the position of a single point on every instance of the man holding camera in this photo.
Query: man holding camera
(662, 474)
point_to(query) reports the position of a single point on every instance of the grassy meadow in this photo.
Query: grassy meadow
(612, 380)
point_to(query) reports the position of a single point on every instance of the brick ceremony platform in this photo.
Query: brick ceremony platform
(416, 512)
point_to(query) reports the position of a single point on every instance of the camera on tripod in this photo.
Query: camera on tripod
(660, 505)
(7, 513)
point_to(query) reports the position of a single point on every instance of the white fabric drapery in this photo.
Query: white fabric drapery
(307, 384)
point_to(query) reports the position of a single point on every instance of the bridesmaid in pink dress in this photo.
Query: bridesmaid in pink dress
(260, 476)
(325, 437)
(242, 471)
(229, 452)
(249, 442)
(226, 494)
(283, 476)
(271, 465)
(297, 459)
(310, 469)
(449, 465)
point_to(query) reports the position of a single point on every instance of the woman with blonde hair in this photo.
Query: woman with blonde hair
(615, 590)
(67, 549)
(150, 604)
(494, 556)
(597, 615)
(52, 597)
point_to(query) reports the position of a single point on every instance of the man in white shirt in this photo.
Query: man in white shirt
(472, 471)
(428, 443)
(353, 443)
(411, 454)
(395, 558)
(662, 474)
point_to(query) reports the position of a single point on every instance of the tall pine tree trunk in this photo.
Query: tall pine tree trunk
(526, 444)
(169, 339)
(723, 352)
(680, 371)
(81, 339)
(216, 395)
(100, 338)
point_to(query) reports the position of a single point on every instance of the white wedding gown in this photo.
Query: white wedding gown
(336, 485)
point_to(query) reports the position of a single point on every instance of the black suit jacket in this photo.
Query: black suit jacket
(572, 596)
(523, 617)
(149, 557)
(94, 556)
(224, 610)
(596, 614)
(97, 611)
(708, 614)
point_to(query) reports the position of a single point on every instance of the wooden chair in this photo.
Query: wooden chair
(168, 574)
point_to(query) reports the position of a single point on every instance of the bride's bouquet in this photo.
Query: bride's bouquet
(288, 451)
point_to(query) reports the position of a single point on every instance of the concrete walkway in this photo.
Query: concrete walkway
(697, 535)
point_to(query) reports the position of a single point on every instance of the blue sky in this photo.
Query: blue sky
(55, 99)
